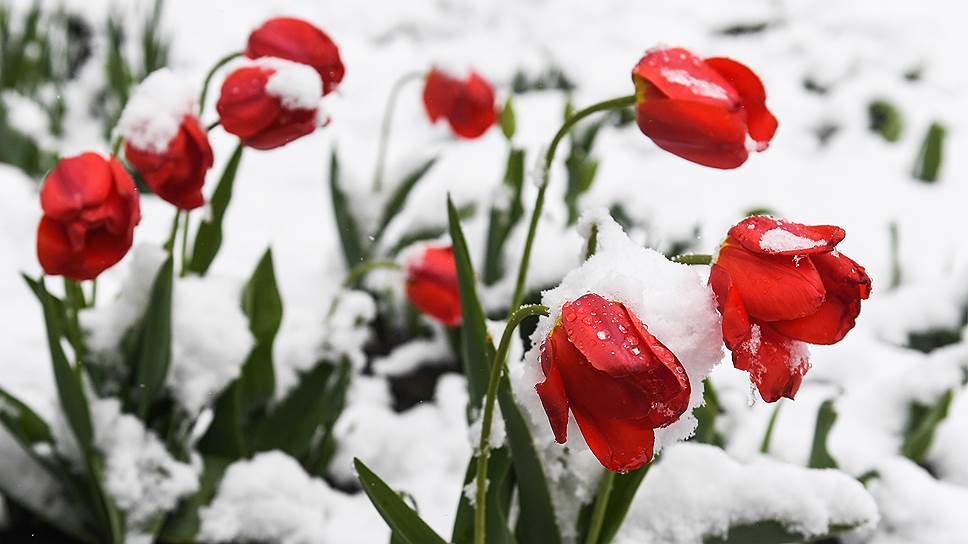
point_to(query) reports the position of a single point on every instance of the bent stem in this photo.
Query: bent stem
(598, 514)
(607, 105)
(208, 78)
(694, 258)
(483, 451)
(381, 153)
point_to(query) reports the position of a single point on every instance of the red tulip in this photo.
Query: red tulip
(780, 284)
(432, 287)
(712, 112)
(467, 105)
(299, 41)
(617, 379)
(90, 210)
(264, 115)
(178, 173)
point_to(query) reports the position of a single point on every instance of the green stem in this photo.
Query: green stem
(768, 436)
(184, 245)
(170, 243)
(607, 105)
(695, 258)
(93, 300)
(381, 153)
(601, 502)
(483, 451)
(116, 146)
(208, 78)
(212, 125)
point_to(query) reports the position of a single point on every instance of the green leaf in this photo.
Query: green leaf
(620, 499)
(537, 522)
(399, 197)
(498, 468)
(349, 231)
(22, 422)
(224, 436)
(208, 240)
(922, 424)
(885, 119)
(768, 435)
(293, 423)
(262, 304)
(181, 526)
(475, 341)
(508, 123)
(502, 221)
(928, 164)
(404, 522)
(706, 416)
(819, 456)
(153, 353)
(771, 532)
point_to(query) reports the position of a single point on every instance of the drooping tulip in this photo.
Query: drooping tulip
(299, 41)
(431, 284)
(468, 106)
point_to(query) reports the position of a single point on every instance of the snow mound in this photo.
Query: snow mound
(295, 509)
(297, 85)
(154, 113)
(697, 490)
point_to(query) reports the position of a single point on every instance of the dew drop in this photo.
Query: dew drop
(602, 335)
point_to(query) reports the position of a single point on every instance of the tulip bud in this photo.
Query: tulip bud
(298, 41)
(468, 106)
(432, 287)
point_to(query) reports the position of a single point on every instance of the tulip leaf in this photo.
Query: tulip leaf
(885, 119)
(498, 499)
(208, 239)
(537, 522)
(153, 351)
(706, 416)
(28, 428)
(768, 435)
(293, 423)
(624, 487)
(771, 532)
(928, 164)
(504, 217)
(403, 521)
(224, 436)
(508, 122)
(262, 304)
(476, 345)
(922, 424)
(399, 197)
(819, 455)
(346, 226)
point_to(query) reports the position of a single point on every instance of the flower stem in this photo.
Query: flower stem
(212, 125)
(483, 451)
(694, 258)
(381, 153)
(607, 105)
(208, 78)
(601, 502)
(184, 245)
(173, 234)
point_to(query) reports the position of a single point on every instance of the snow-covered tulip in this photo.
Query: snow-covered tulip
(163, 140)
(619, 381)
(177, 173)
(299, 41)
(270, 103)
(431, 284)
(779, 285)
(709, 111)
(468, 106)
(90, 210)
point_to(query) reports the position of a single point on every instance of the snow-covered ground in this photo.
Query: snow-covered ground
(822, 63)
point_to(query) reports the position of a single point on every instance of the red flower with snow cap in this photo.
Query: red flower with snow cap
(432, 286)
(299, 41)
(177, 173)
(709, 111)
(468, 106)
(90, 210)
(270, 103)
(617, 379)
(780, 284)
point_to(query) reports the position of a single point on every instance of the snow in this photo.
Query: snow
(411, 355)
(295, 509)
(696, 491)
(698, 86)
(778, 239)
(155, 110)
(298, 86)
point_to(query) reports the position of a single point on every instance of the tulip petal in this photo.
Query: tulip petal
(681, 76)
(552, 392)
(74, 184)
(432, 286)
(828, 325)
(244, 106)
(762, 124)
(842, 276)
(772, 287)
(299, 41)
(473, 112)
(700, 132)
(620, 445)
(736, 320)
(767, 235)
(776, 364)
(440, 92)
(666, 382)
